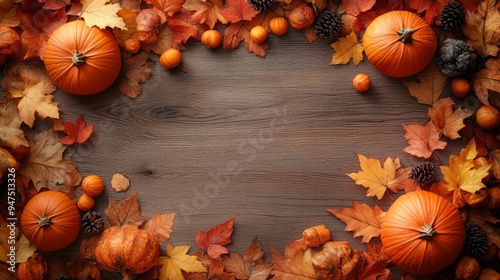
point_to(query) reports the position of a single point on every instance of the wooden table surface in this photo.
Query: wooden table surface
(268, 141)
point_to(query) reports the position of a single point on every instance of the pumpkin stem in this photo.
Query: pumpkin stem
(404, 35)
(44, 221)
(426, 232)
(78, 58)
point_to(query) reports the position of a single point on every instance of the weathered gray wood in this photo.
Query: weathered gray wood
(268, 141)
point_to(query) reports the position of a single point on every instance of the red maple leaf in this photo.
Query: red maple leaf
(37, 28)
(237, 32)
(181, 25)
(354, 7)
(54, 4)
(382, 7)
(205, 11)
(77, 132)
(214, 239)
(169, 7)
(432, 8)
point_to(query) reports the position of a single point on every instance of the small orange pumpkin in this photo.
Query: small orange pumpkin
(171, 58)
(92, 185)
(361, 82)
(278, 26)
(399, 43)
(211, 38)
(487, 117)
(460, 87)
(51, 221)
(82, 60)
(85, 202)
(127, 249)
(422, 232)
(258, 34)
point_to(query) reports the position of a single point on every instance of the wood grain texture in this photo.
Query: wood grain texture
(265, 140)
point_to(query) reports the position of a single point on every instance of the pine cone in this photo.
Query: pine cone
(262, 5)
(92, 222)
(452, 16)
(476, 241)
(328, 25)
(63, 277)
(423, 174)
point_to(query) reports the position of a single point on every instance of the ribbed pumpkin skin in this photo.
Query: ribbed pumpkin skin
(102, 64)
(127, 249)
(65, 219)
(400, 237)
(395, 58)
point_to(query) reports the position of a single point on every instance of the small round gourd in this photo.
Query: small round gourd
(422, 232)
(132, 45)
(51, 221)
(82, 60)
(278, 26)
(361, 82)
(85, 202)
(399, 43)
(127, 249)
(258, 34)
(92, 185)
(171, 58)
(302, 16)
(211, 38)
(460, 87)
(487, 117)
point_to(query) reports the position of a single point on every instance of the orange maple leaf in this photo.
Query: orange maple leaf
(161, 226)
(127, 211)
(361, 219)
(355, 7)
(487, 79)
(135, 69)
(423, 140)
(251, 265)
(296, 264)
(207, 12)
(377, 178)
(240, 31)
(214, 239)
(447, 120)
(37, 29)
(347, 48)
(167, 7)
(183, 28)
(238, 10)
(430, 86)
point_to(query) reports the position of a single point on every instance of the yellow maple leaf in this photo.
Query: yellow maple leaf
(482, 28)
(461, 172)
(346, 48)
(102, 14)
(377, 178)
(36, 99)
(176, 261)
(430, 87)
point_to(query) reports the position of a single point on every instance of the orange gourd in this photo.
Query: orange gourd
(171, 58)
(487, 117)
(302, 16)
(422, 233)
(82, 60)
(51, 221)
(460, 87)
(211, 38)
(361, 82)
(85, 202)
(278, 26)
(399, 43)
(127, 249)
(258, 34)
(92, 185)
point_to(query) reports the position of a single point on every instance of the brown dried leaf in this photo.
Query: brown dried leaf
(296, 264)
(430, 86)
(161, 226)
(487, 79)
(120, 182)
(127, 211)
(483, 28)
(135, 69)
(447, 120)
(251, 265)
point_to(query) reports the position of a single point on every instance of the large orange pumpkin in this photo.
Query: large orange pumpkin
(399, 43)
(82, 60)
(51, 221)
(422, 232)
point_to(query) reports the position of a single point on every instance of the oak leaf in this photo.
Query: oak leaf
(127, 211)
(446, 120)
(44, 163)
(347, 48)
(182, 27)
(37, 29)
(101, 13)
(78, 132)
(430, 86)
(205, 11)
(487, 79)
(296, 264)
(176, 261)
(355, 7)
(251, 266)
(135, 69)
(361, 219)
(214, 239)
(423, 140)
(483, 28)
(120, 182)
(461, 171)
(377, 178)
(161, 226)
